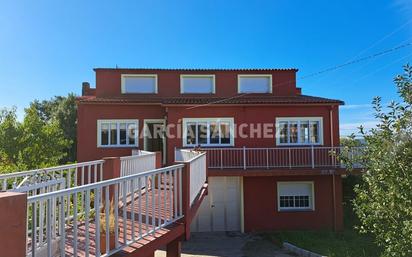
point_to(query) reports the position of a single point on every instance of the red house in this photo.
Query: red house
(270, 149)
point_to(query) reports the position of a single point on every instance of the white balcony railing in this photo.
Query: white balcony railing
(79, 229)
(140, 162)
(197, 164)
(279, 157)
(73, 174)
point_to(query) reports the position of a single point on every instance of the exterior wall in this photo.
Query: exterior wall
(261, 211)
(254, 115)
(108, 82)
(87, 116)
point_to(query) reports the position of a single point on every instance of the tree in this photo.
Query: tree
(64, 110)
(383, 200)
(33, 143)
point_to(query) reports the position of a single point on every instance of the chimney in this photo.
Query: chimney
(85, 88)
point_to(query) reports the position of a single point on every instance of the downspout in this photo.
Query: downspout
(333, 175)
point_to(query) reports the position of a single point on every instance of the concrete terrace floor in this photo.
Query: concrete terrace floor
(222, 244)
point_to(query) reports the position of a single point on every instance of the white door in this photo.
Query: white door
(220, 210)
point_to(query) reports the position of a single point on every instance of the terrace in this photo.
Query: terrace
(287, 159)
(109, 207)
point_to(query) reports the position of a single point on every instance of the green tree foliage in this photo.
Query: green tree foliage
(32, 143)
(383, 199)
(64, 110)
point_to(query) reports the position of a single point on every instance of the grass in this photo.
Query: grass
(348, 243)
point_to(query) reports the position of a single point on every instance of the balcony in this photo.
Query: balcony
(114, 206)
(311, 157)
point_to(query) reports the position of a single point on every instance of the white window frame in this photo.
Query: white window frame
(299, 119)
(208, 121)
(123, 85)
(182, 76)
(117, 121)
(239, 76)
(311, 198)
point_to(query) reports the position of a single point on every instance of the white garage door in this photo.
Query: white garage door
(220, 210)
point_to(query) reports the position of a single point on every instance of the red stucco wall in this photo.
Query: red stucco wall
(254, 115)
(260, 205)
(87, 116)
(108, 82)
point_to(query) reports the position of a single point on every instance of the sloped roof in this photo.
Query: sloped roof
(239, 99)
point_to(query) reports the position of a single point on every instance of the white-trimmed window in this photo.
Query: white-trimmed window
(299, 131)
(139, 83)
(208, 132)
(297, 195)
(117, 133)
(197, 84)
(260, 83)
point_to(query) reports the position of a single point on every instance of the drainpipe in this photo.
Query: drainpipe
(331, 126)
(334, 203)
(333, 175)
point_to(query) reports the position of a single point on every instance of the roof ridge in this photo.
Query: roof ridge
(198, 69)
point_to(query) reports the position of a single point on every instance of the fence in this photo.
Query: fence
(280, 157)
(88, 171)
(99, 213)
(197, 164)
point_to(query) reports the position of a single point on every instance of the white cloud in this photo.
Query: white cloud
(356, 106)
(353, 127)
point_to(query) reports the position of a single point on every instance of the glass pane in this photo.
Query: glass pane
(202, 133)
(314, 132)
(113, 134)
(131, 127)
(122, 127)
(225, 132)
(191, 134)
(254, 84)
(214, 133)
(293, 132)
(283, 132)
(141, 84)
(197, 84)
(304, 132)
(104, 134)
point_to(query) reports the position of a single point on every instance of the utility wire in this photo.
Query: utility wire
(387, 51)
(372, 56)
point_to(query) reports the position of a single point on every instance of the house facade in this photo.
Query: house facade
(269, 147)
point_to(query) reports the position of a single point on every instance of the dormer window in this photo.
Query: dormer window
(197, 84)
(139, 83)
(260, 83)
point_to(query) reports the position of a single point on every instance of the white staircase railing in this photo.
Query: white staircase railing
(74, 175)
(198, 170)
(80, 228)
(135, 164)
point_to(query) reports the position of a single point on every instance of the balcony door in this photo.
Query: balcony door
(154, 136)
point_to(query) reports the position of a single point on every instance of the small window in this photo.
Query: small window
(299, 131)
(197, 84)
(255, 83)
(295, 196)
(139, 84)
(117, 133)
(208, 132)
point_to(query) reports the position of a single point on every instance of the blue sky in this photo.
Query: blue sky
(48, 48)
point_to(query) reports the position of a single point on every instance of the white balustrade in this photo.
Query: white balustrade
(56, 228)
(279, 157)
(74, 175)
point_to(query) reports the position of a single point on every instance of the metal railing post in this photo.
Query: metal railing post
(267, 158)
(290, 158)
(244, 157)
(313, 157)
(221, 159)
